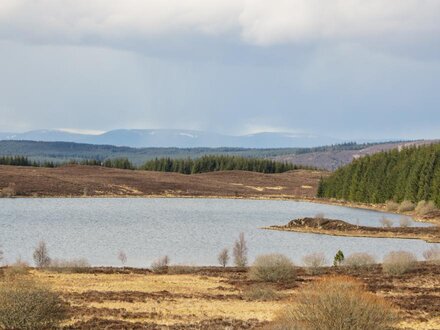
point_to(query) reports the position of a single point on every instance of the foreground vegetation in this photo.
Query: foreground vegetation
(219, 298)
(410, 175)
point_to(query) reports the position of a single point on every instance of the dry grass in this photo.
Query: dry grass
(164, 299)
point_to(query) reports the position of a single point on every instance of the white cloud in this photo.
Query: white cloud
(259, 22)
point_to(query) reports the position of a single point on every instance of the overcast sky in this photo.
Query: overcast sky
(342, 68)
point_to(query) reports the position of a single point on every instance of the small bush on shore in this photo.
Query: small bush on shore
(386, 222)
(41, 255)
(273, 268)
(160, 266)
(240, 251)
(398, 262)
(336, 303)
(406, 206)
(432, 254)
(391, 206)
(405, 222)
(424, 207)
(314, 262)
(359, 260)
(25, 304)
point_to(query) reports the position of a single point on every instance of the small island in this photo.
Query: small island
(341, 228)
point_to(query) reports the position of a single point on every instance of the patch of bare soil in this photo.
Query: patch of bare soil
(342, 228)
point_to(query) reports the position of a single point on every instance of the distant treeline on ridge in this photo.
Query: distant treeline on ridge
(184, 166)
(409, 174)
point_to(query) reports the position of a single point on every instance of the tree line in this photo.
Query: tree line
(218, 163)
(412, 173)
(203, 164)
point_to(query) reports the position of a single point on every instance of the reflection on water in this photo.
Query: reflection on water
(190, 231)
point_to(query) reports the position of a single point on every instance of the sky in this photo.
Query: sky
(349, 69)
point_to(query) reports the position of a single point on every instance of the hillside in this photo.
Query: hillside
(327, 157)
(97, 181)
(331, 159)
(413, 174)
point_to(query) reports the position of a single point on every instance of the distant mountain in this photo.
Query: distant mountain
(144, 138)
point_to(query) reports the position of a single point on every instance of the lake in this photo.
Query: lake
(189, 231)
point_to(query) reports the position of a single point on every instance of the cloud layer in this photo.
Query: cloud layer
(256, 22)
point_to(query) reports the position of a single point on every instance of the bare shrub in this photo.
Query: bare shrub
(41, 255)
(391, 206)
(314, 262)
(406, 206)
(398, 262)
(240, 251)
(223, 257)
(405, 222)
(432, 254)
(273, 268)
(386, 222)
(337, 303)
(424, 207)
(320, 216)
(122, 257)
(160, 265)
(8, 191)
(1, 254)
(260, 293)
(28, 305)
(359, 260)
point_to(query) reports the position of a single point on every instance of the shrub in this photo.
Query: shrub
(273, 268)
(337, 303)
(338, 259)
(398, 262)
(314, 262)
(386, 222)
(223, 257)
(432, 255)
(160, 265)
(391, 206)
(27, 305)
(240, 251)
(1, 254)
(359, 260)
(424, 207)
(122, 257)
(260, 293)
(41, 255)
(405, 222)
(406, 206)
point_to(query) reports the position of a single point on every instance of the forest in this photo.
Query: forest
(412, 174)
(203, 164)
(218, 163)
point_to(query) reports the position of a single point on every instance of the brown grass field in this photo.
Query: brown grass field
(96, 181)
(215, 298)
